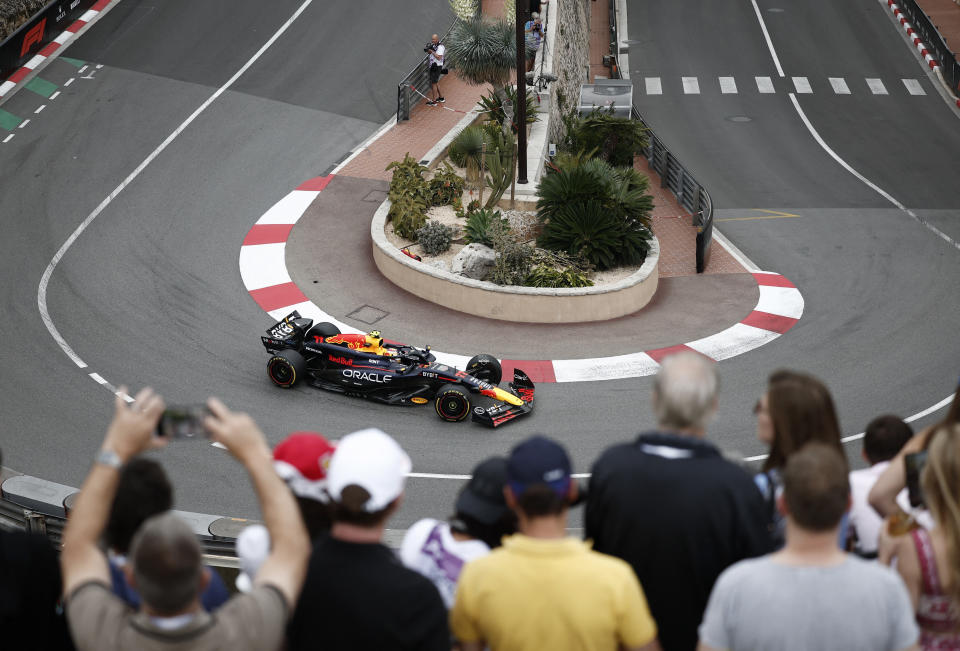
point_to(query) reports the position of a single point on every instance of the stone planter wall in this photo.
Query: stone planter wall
(523, 304)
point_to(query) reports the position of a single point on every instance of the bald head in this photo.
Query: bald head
(166, 560)
(685, 392)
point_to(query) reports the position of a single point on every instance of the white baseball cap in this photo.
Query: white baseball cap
(253, 547)
(371, 459)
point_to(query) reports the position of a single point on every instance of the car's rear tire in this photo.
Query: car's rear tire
(485, 367)
(286, 367)
(322, 329)
(453, 405)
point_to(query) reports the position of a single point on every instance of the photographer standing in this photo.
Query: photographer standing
(533, 36)
(435, 50)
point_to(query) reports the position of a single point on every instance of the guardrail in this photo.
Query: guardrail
(614, 56)
(688, 191)
(934, 41)
(40, 506)
(417, 79)
(35, 34)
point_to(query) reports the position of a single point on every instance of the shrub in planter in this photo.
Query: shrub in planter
(588, 229)
(617, 140)
(408, 215)
(407, 180)
(492, 106)
(514, 260)
(446, 186)
(483, 225)
(545, 275)
(434, 237)
(467, 148)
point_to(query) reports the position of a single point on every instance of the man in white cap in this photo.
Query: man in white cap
(357, 595)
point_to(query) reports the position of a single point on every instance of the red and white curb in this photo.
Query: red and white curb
(52, 47)
(263, 268)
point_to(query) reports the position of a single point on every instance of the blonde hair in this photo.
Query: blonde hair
(941, 484)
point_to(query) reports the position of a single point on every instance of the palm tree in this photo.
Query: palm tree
(484, 51)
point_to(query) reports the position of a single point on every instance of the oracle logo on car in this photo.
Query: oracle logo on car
(341, 360)
(365, 376)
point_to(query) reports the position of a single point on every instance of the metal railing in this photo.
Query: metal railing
(614, 43)
(688, 191)
(413, 87)
(934, 41)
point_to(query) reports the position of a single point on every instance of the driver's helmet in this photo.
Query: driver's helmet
(374, 340)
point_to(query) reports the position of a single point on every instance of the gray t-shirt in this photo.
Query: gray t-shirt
(762, 605)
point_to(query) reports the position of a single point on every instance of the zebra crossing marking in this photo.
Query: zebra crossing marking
(876, 86)
(802, 85)
(839, 85)
(691, 85)
(728, 85)
(765, 85)
(913, 87)
(654, 87)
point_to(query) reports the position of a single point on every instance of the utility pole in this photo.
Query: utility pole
(521, 109)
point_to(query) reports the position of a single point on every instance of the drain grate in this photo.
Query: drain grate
(368, 314)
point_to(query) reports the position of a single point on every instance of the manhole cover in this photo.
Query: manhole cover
(376, 196)
(367, 314)
(740, 118)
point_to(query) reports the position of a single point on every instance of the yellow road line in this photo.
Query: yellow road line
(771, 214)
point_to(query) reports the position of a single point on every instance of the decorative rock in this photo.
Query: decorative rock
(474, 261)
(442, 265)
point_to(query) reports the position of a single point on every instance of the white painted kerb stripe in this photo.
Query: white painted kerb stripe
(782, 301)
(34, 62)
(289, 209)
(735, 340)
(263, 265)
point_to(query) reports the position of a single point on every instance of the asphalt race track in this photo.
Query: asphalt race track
(150, 293)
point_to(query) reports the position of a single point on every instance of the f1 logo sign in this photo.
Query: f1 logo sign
(32, 37)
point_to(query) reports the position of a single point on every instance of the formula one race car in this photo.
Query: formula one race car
(364, 365)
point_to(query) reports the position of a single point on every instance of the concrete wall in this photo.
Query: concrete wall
(568, 57)
(523, 304)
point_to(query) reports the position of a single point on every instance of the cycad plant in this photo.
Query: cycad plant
(483, 51)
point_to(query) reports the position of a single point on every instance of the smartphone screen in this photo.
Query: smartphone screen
(913, 464)
(183, 422)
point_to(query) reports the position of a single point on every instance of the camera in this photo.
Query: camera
(913, 465)
(430, 47)
(183, 422)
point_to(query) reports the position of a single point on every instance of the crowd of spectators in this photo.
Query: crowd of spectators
(684, 548)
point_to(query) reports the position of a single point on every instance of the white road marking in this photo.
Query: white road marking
(802, 84)
(80, 71)
(98, 378)
(48, 272)
(6, 86)
(728, 85)
(654, 87)
(68, 81)
(914, 87)
(99, 65)
(876, 86)
(765, 85)
(24, 123)
(40, 108)
(55, 96)
(839, 86)
(9, 138)
(870, 184)
(766, 35)
(691, 86)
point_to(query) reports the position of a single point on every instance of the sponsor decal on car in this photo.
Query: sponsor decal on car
(419, 400)
(365, 376)
(341, 360)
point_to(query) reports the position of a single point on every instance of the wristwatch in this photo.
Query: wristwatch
(110, 458)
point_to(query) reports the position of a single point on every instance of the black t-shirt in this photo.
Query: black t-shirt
(30, 585)
(359, 596)
(680, 514)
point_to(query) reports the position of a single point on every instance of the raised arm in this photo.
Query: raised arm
(131, 432)
(286, 565)
(883, 495)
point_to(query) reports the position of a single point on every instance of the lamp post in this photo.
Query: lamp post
(508, 115)
(522, 8)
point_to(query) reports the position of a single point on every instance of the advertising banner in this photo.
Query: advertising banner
(38, 32)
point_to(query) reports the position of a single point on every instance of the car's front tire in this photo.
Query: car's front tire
(286, 367)
(453, 405)
(485, 367)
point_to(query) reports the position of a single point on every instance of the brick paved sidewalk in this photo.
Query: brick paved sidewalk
(945, 16)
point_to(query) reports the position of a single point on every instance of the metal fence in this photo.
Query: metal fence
(414, 86)
(688, 191)
(614, 56)
(934, 41)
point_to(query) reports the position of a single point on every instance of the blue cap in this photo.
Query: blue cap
(538, 460)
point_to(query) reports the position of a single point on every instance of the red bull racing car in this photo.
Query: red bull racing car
(366, 366)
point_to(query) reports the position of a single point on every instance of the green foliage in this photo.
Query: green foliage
(484, 225)
(457, 204)
(500, 164)
(514, 260)
(566, 187)
(445, 186)
(465, 9)
(545, 275)
(408, 216)
(467, 148)
(434, 237)
(483, 51)
(407, 180)
(492, 106)
(473, 206)
(617, 140)
(590, 230)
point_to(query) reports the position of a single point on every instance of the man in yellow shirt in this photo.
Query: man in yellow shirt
(543, 589)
